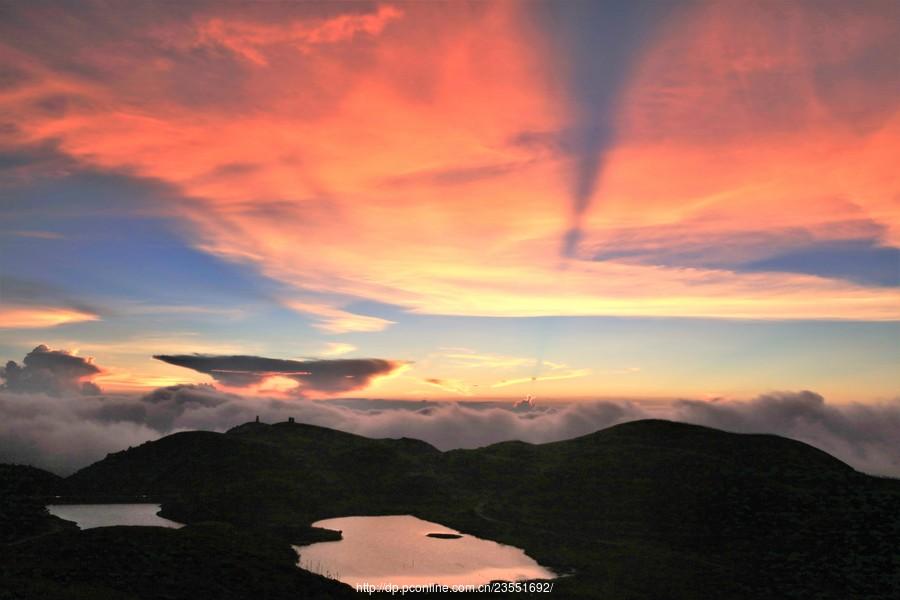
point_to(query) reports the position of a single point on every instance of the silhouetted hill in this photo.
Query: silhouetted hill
(763, 453)
(662, 509)
(191, 460)
(207, 561)
(24, 493)
(646, 509)
(24, 480)
(210, 476)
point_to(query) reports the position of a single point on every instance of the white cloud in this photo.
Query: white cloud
(64, 433)
(337, 349)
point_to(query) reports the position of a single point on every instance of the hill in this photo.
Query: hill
(24, 492)
(645, 509)
(24, 480)
(203, 561)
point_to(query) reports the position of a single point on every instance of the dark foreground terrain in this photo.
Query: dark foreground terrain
(648, 509)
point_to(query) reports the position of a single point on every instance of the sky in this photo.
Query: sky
(561, 201)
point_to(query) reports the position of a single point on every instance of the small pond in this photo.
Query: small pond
(88, 516)
(398, 550)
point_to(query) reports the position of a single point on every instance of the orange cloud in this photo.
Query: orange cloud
(491, 361)
(249, 40)
(334, 320)
(572, 374)
(40, 317)
(759, 118)
(450, 385)
(385, 160)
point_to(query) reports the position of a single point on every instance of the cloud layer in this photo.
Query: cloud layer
(863, 435)
(64, 433)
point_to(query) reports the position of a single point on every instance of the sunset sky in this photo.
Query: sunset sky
(570, 200)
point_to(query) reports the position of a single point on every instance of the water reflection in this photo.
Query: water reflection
(398, 550)
(88, 516)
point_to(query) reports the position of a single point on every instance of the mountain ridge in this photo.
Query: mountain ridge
(642, 509)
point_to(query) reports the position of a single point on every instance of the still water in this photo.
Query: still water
(398, 550)
(88, 516)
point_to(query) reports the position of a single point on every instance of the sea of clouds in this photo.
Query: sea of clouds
(50, 419)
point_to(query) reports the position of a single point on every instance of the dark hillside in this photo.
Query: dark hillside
(24, 492)
(642, 510)
(650, 502)
(24, 480)
(208, 561)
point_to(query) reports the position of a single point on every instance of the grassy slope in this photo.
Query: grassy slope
(42, 556)
(659, 509)
(24, 492)
(642, 510)
(204, 561)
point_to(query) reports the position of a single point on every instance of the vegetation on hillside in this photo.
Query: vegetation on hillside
(647, 509)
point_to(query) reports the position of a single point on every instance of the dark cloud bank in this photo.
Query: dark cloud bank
(53, 372)
(60, 428)
(322, 376)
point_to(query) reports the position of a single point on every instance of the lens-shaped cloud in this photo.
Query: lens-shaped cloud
(313, 377)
